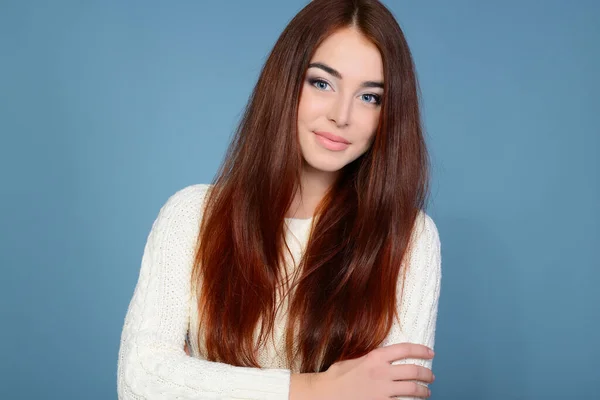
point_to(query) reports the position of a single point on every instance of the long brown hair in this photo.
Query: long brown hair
(343, 303)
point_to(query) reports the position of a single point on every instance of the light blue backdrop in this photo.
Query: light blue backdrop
(109, 107)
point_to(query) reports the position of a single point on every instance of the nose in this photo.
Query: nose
(340, 111)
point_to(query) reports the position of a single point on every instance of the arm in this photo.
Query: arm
(152, 362)
(418, 308)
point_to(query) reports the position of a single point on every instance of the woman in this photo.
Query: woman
(308, 269)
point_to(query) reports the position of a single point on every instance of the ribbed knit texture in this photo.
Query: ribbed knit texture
(152, 363)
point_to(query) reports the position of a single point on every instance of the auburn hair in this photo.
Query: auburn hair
(342, 303)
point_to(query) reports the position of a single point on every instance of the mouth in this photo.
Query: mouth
(332, 137)
(331, 144)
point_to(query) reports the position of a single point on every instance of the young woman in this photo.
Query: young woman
(308, 268)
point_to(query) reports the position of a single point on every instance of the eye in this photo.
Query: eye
(371, 98)
(318, 83)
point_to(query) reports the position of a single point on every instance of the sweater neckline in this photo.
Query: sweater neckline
(299, 219)
(299, 225)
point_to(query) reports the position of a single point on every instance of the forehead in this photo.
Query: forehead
(352, 54)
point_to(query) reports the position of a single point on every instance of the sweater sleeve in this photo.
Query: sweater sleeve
(152, 363)
(417, 304)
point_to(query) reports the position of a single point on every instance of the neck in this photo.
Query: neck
(315, 184)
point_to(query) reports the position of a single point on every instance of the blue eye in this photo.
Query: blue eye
(319, 84)
(371, 98)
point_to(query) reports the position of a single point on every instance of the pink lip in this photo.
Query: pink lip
(332, 137)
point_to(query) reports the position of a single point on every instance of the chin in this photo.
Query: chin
(320, 163)
(321, 159)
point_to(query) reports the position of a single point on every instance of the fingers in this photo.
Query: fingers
(400, 351)
(411, 372)
(411, 389)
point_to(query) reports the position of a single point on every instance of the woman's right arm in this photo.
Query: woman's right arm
(152, 362)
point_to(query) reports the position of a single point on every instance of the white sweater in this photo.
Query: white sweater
(152, 363)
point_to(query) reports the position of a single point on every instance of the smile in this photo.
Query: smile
(331, 142)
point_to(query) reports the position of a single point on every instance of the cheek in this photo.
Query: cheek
(367, 126)
(310, 107)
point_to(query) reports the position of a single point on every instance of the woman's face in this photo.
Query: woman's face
(341, 96)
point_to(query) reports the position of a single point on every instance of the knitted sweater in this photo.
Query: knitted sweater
(152, 363)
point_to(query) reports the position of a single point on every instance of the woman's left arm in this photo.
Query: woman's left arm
(417, 303)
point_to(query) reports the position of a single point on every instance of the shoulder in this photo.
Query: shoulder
(184, 208)
(186, 197)
(189, 195)
(425, 230)
(425, 247)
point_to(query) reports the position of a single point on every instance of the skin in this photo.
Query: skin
(342, 103)
(371, 376)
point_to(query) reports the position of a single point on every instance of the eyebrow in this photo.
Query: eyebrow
(331, 71)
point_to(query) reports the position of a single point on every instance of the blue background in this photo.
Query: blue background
(109, 107)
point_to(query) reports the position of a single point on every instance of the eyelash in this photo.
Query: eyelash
(377, 98)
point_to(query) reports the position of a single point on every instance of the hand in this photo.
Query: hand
(187, 350)
(372, 376)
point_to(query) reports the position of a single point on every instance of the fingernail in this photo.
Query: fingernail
(433, 377)
(431, 353)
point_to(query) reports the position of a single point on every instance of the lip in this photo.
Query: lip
(332, 137)
(331, 145)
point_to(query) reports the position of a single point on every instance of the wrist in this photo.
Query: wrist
(306, 386)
